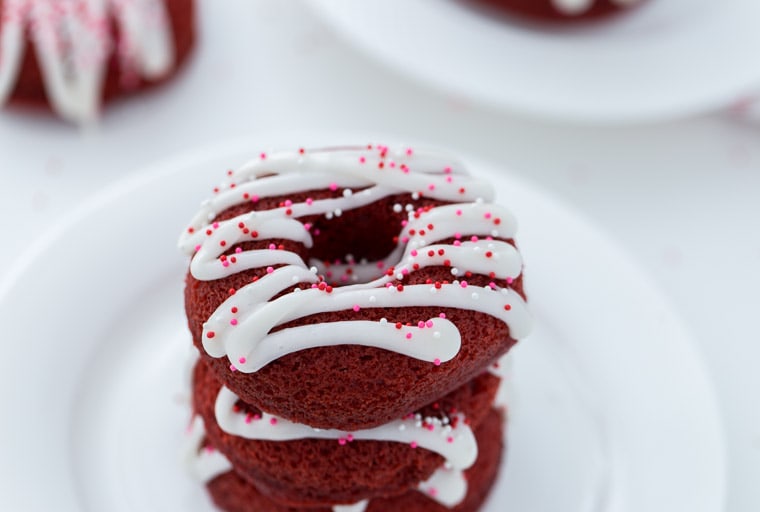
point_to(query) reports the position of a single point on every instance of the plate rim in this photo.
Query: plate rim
(675, 108)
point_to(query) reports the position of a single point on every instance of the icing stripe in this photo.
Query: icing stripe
(456, 444)
(204, 464)
(576, 7)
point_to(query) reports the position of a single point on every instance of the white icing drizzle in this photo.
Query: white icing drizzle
(456, 444)
(73, 44)
(447, 486)
(359, 506)
(576, 7)
(241, 327)
(203, 463)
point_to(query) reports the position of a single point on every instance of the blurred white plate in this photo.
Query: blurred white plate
(664, 59)
(613, 409)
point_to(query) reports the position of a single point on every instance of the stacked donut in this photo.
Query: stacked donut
(70, 55)
(349, 306)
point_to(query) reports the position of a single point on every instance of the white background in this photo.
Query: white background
(683, 197)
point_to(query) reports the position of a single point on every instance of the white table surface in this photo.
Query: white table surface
(682, 197)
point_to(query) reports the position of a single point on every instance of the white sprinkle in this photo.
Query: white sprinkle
(495, 233)
(402, 427)
(372, 298)
(415, 195)
(338, 212)
(313, 270)
(399, 276)
(329, 215)
(454, 271)
(347, 192)
(409, 207)
(479, 200)
(437, 334)
(382, 320)
(397, 208)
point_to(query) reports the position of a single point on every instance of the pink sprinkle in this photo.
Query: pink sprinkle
(442, 315)
(238, 250)
(356, 307)
(242, 360)
(270, 270)
(447, 170)
(405, 239)
(436, 362)
(254, 198)
(232, 368)
(273, 421)
(492, 285)
(459, 212)
(404, 222)
(248, 418)
(197, 248)
(509, 280)
(309, 201)
(457, 243)
(362, 159)
(392, 165)
(429, 323)
(474, 238)
(413, 252)
(263, 156)
(431, 186)
(463, 284)
(430, 427)
(449, 179)
(487, 215)
(317, 232)
(215, 225)
(380, 264)
(409, 152)
(421, 324)
(405, 271)
(341, 441)
(449, 439)
(225, 263)
(433, 491)
(272, 247)
(233, 321)
(350, 437)
(409, 335)
(333, 186)
(288, 202)
(413, 444)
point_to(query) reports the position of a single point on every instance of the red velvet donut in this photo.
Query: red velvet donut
(72, 73)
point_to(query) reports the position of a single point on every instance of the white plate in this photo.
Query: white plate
(614, 411)
(663, 59)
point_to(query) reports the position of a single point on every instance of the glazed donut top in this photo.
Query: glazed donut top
(241, 327)
(577, 7)
(73, 43)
